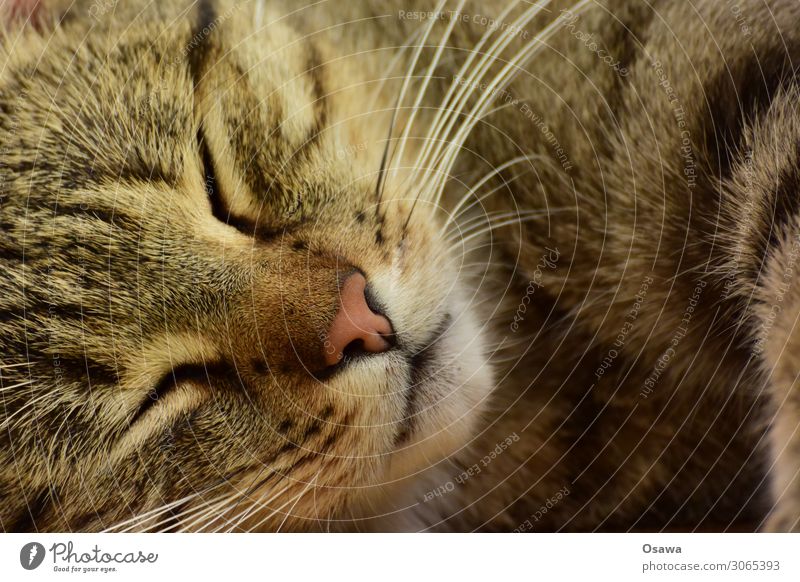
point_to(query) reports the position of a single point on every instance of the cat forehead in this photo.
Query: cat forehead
(148, 50)
(146, 80)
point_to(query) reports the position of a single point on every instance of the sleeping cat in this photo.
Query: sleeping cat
(379, 265)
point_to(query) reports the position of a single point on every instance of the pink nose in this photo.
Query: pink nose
(356, 327)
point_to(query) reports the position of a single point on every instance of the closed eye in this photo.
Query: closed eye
(219, 208)
(200, 375)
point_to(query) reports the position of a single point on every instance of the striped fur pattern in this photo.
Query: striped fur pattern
(583, 228)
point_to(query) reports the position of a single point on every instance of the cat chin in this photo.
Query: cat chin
(450, 410)
(449, 401)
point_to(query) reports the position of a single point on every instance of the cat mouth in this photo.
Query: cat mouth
(425, 366)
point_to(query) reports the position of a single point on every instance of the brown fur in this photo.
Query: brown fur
(668, 188)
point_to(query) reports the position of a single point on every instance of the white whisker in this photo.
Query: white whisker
(259, 505)
(303, 492)
(132, 522)
(45, 396)
(445, 110)
(391, 66)
(19, 385)
(10, 366)
(409, 74)
(457, 208)
(503, 79)
(484, 221)
(258, 16)
(278, 509)
(491, 227)
(428, 75)
(207, 513)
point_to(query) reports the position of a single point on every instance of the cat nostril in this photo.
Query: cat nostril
(356, 328)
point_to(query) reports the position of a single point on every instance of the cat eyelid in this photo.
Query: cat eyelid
(210, 182)
(202, 375)
(219, 208)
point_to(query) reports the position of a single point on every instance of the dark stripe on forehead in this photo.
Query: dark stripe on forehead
(315, 71)
(271, 162)
(200, 62)
(199, 43)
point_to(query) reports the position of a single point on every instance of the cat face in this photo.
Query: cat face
(215, 311)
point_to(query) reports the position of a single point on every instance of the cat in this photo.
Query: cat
(398, 266)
